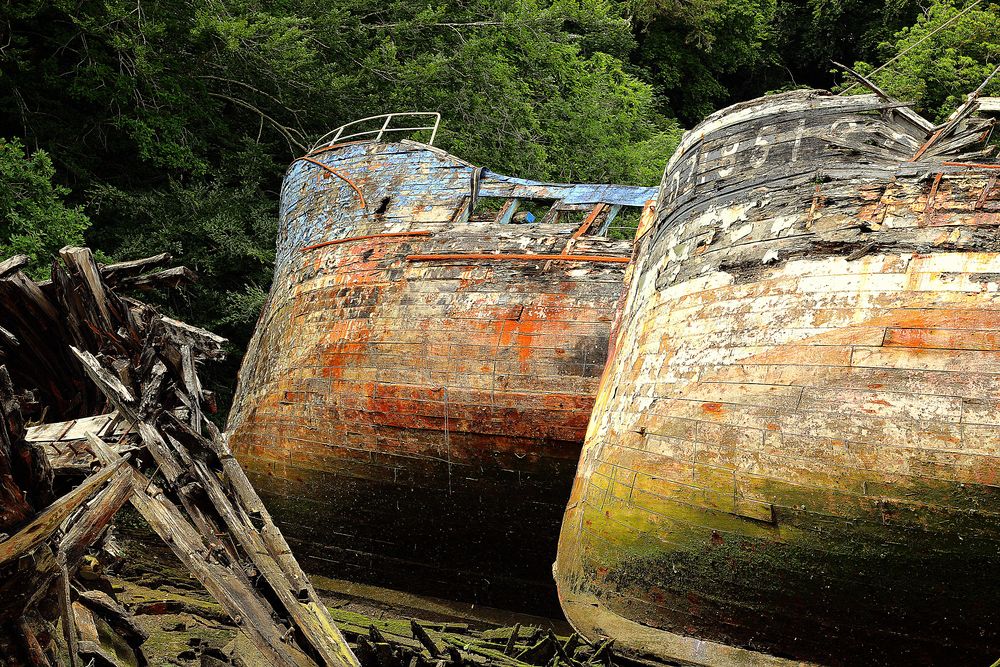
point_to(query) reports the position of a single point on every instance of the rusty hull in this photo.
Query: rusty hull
(793, 455)
(412, 412)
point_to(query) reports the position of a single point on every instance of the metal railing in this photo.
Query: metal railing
(339, 136)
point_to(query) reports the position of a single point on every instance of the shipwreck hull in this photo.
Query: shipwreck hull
(794, 448)
(412, 413)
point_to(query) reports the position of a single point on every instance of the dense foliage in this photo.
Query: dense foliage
(166, 124)
(946, 54)
(36, 220)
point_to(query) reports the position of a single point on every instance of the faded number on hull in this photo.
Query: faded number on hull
(763, 149)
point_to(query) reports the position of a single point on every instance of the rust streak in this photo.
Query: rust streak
(984, 195)
(582, 229)
(930, 142)
(589, 220)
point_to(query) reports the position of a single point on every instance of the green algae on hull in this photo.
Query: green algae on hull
(792, 456)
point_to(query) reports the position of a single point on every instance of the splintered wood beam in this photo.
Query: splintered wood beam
(241, 602)
(278, 548)
(32, 294)
(45, 524)
(508, 210)
(299, 600)
(12, 264)
(608, 219)
(123, 401)
(7, 338)
(267, 550)
(36, 655)
(589, 220)
(201, 341)
(584, 227)
(66, 609)
(113, 612)
(112, 273)
(81, 260)
(114, 390)
(87, 528)
(193, 386)
(174, 277)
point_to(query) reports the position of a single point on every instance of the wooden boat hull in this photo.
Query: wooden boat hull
(793, 454)
(412, 414)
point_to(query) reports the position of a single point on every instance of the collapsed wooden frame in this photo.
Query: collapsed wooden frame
(76, 348)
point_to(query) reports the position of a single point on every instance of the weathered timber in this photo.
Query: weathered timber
(12, 264)
(113, 273)
(189, 538)
(792, 452)
(48, 521)
(144, 367)
(420, 380)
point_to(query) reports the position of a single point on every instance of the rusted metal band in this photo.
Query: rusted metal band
(333, 147)
(930, 142)
(596, 211)
(971, 165)
(929, 206)
(388, 235)
(524, 258)
(339, 175)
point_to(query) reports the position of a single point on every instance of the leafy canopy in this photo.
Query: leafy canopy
(173, 120)
(943, 57)
(34, 218)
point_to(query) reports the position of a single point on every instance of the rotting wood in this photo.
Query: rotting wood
(48, 521)
(74, 335)
(441, 397)
(12, 264)
(66, 609)
(791, 428)
(112, 273)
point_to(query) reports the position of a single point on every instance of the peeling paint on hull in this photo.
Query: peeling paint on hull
(416, 422)
(794, 447)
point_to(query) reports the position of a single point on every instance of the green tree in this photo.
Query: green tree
(809, 34)
(696, 51)
(945, 55)
(34, 218)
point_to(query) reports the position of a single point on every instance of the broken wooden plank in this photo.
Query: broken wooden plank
(82, 261)
(94, 520)
(12, 264)
(112, 273)
(206, 343)
(174, 277)
(45, 524)
(239, 600)
(66, 610)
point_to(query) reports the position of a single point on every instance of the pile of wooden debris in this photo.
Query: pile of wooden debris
(414, 644)
(73, 349)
